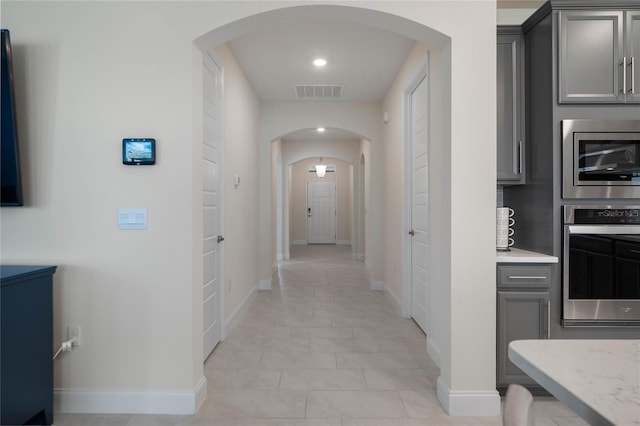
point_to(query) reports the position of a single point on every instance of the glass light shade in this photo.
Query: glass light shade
(321, 170)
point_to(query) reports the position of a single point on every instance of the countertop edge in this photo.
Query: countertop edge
(516, 255)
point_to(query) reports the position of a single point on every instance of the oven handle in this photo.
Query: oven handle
(604, 229)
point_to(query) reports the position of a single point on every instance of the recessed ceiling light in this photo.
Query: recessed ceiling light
(319, 62)
(320, 129)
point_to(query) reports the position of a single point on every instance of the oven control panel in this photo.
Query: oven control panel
(602, 215)
(609, 216)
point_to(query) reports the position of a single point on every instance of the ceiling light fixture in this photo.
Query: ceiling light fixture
(321, 169)
(319, 62)
(320, 129)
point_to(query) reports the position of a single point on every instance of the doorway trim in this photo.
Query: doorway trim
(421, 74)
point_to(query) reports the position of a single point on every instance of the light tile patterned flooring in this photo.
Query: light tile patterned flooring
(322, 349)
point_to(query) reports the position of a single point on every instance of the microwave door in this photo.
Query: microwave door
(601, 159)
(607, 159)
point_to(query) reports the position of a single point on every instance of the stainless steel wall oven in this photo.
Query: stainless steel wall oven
(601, 266)
(601, 158)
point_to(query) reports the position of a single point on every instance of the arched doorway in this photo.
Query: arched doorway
(346, 147)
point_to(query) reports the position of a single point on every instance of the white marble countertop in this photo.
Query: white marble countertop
(516, 255)
(598, 379)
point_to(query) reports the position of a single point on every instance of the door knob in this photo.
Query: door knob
(220, 239)
(412, 233)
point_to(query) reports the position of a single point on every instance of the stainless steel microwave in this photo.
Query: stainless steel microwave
(601, 159)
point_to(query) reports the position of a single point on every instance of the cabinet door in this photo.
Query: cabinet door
(510, 101)
(591, 56)
(632, 33)
(521, 315)
(627, 279)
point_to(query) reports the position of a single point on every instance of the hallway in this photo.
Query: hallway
(322, 349)
(321, 345)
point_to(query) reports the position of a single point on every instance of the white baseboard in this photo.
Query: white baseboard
(237, 313)
(377, 285)
(299, 243)
(265, 284)
(201, 393)
(468, 403)
(390, 296)
(130, 402)
(433, 350)
(343, 242)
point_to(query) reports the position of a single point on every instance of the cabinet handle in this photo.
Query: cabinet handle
(624, 75)
(527, 277)
(548, 319)
(633, 74)
(519, 157)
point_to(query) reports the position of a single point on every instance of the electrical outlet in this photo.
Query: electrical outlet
(74, 331)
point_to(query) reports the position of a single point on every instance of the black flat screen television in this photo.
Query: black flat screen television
(10, 180)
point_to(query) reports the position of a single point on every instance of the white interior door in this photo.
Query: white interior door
(419, 206)
(321, 212)
(211, 249)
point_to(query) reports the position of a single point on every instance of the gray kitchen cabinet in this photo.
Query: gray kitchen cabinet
(633, 55)
(523, 313)
(598, 51)
(510, 103)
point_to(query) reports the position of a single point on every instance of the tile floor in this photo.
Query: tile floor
(321, 349)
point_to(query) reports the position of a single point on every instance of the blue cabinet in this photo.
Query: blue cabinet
(26, 365)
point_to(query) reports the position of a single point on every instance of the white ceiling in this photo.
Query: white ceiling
(328, 134)
(363, 59)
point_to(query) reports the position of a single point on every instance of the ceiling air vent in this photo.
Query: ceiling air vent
(319, 92)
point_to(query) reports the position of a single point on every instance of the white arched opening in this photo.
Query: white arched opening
(292, 151)
(457, 123)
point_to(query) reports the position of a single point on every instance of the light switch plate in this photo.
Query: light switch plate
(132, 219)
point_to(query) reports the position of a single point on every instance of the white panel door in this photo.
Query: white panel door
(419, 206)
(321, 212)
(211, 250)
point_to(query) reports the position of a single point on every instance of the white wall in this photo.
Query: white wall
(277, 194)
(513, 16)
(95, 72)
(83, 86)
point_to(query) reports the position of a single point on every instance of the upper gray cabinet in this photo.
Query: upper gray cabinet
(632, 31)
(510, 102)
(598, 55)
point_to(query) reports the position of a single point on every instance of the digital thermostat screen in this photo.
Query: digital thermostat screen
(140, 151)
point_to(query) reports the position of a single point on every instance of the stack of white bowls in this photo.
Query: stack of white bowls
(504, 230)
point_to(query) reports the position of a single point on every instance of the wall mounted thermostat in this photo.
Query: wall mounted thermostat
(138, 151)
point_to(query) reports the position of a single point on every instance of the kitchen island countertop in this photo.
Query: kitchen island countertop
(598, 379)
